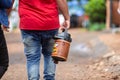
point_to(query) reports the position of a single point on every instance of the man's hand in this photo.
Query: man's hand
(5, 29)
(65, 25)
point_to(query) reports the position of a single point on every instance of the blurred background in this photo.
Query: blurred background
(95, 48)
(89, 14)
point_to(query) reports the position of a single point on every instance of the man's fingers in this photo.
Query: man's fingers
(6, 29)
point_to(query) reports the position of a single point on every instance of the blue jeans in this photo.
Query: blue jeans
(35, 44)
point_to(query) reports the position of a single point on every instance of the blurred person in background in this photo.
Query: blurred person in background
(39, 22)
(4, 59)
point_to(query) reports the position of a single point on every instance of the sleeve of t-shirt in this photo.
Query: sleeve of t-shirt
(5, 4)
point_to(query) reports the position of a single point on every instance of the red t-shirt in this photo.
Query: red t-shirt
(38, 14)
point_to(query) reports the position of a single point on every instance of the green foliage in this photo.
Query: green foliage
(96, 27)
(96, 10)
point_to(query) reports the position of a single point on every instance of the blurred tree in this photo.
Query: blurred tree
(96, 10)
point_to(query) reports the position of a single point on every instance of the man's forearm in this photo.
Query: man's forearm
(63, 7)
(118, 7)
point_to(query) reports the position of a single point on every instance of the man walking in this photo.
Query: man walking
(39, 22)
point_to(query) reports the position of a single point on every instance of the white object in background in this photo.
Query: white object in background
(118, 7)
(61, 19)
(118, 10)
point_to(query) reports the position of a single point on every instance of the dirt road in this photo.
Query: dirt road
(92, 56)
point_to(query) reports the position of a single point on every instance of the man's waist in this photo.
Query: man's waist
(38, 25)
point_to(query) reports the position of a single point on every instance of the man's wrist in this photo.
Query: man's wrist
(67, 19)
